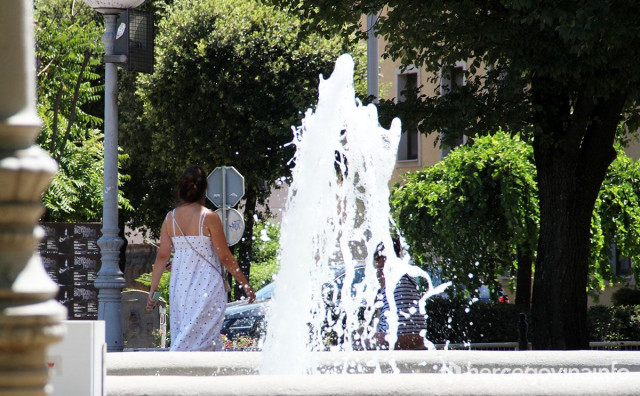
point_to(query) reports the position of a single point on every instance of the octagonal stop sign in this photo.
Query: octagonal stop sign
(229, 192)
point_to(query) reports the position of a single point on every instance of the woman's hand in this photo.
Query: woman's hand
(248, 291)
(151, 303)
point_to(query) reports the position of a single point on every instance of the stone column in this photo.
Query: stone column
(30, 319)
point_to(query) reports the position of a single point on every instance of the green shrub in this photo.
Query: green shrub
(265, 253)
(458, 321)
(262, 274)
(626, 296)
(614, 323)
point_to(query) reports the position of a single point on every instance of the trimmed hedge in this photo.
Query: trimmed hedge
(459, 322)
(626, 296)
(614, 323)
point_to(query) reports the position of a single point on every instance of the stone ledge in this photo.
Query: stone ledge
(500, 362)
(619, 384)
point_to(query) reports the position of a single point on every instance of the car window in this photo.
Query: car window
(266, 292)
(358, 276)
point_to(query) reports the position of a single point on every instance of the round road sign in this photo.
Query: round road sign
(235, 225)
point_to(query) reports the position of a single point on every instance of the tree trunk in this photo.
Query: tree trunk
(246, 244)
(523, 280)
(559, 289)
(54, 125)
(573, 147)
(74, 104)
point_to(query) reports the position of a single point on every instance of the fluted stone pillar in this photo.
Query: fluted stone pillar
(30, 319)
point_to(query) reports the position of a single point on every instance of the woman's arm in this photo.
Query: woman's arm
(214, 226)
(162, 258)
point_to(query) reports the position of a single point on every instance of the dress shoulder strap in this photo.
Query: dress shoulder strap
(174, 222)
(203, 215)
(166, 220)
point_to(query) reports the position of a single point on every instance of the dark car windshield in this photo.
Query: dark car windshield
(329, 289)
(358, 276)
(266, 292)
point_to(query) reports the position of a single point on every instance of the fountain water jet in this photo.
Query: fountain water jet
(337, 212)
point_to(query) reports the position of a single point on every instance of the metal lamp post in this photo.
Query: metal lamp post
(372, 57)
(110, 280)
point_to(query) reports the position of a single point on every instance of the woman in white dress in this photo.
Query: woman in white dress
(196, 292)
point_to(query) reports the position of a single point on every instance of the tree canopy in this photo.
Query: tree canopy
(615, 230)
(231, 78)
(469, 215)
(476, 212)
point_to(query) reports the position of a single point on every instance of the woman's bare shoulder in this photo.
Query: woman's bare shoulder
(211, 215)
(168, 216)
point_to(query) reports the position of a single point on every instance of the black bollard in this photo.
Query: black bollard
(523, 343)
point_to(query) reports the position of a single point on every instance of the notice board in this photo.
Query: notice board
(71, 257)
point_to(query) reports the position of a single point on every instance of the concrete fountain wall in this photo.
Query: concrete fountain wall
(379, 373)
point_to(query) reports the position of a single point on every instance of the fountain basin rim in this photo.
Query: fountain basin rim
(389, 385)
(434, 361)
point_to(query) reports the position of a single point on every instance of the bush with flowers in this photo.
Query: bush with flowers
(239, 343)
(157, 338)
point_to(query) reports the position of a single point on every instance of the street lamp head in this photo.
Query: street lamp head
(112, 6)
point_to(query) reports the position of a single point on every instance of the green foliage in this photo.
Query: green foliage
(266, 242)
(564, 52)
(68, 50)
(265, 253)
(239, 343)
(231, 78)
(616, 220)
(614, 323)
(262, 274)
(457, 321)
(469, 213)
(157, 338)
(625, 296)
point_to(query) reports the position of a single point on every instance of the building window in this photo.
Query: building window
(621, 265)
(407, 82)
(451, 79)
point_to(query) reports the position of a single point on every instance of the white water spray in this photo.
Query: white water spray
(337, 212)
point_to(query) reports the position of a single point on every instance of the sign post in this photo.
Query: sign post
(226, 189)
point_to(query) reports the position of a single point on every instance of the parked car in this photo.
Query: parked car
(243, 319)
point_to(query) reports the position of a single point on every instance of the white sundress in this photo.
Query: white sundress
(196, 293)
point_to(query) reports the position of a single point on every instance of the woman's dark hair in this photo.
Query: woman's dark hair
(397, 248)
(379, 251)
(192, 184)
